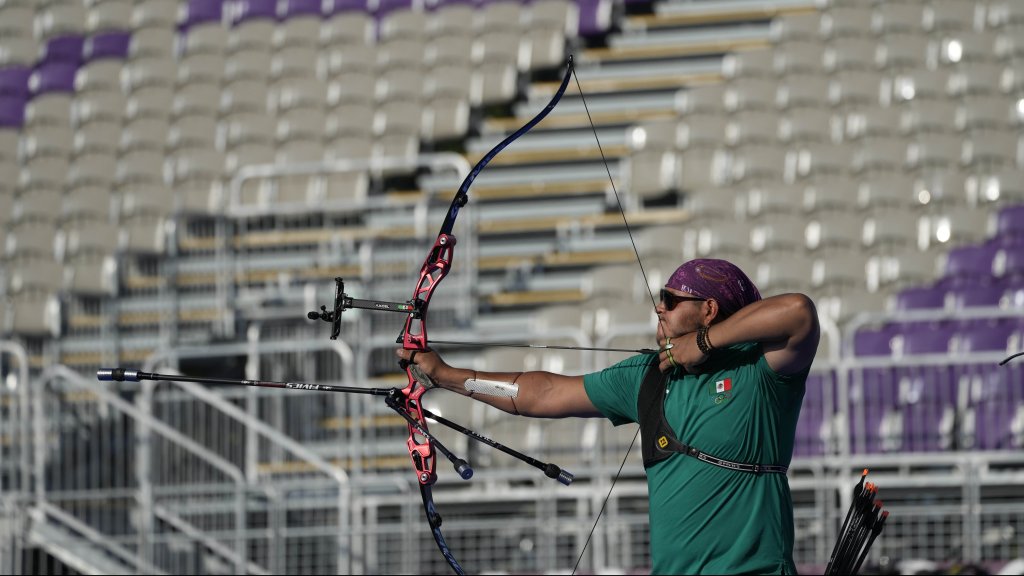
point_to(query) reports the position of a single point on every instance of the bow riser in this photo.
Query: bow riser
(414, 337)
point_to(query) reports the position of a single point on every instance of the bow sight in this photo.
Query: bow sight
(343, 302)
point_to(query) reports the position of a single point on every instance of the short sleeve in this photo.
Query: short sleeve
(614, 390)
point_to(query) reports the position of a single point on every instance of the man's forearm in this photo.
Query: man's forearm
(454, 380)
(774, 319)
(538, 394)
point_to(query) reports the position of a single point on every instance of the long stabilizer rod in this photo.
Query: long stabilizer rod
(125, 375)
(550, 470)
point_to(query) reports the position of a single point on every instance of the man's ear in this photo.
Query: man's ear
(710, 311)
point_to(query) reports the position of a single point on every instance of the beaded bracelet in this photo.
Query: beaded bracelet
(703, 343)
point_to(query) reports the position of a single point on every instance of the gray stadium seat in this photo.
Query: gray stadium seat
(775, 274)
(201, 68)
(745, 63)
(35, 313)
(98, 107)
(499, 17)
(773, 198)
(886, 190)
(194, 131)
(145, 133)
(155, 13)
(18, 50)
(941, 15)
(833, 230)
(60, 19)
(817, 160)
(151, 102)
(777, 233)
(199, 99)
(252, 64)
(711, 204)
(900, 51)
(353, 27)
(295, 62)
(445, 118)
(758, 162)
(95, 168)
(16, 20)
(141, 166)
(245, 95)
(997, 185)
(891, 229)
(94, 202)
(804, 90)
(752, 127)
(109, 15)
(839, 268)
(892, 17)
(855, 87)
(799, 57)
(943, 150)
(796, 26)
(205, 38)
(149, 72)
(808, 125)
(845, 20)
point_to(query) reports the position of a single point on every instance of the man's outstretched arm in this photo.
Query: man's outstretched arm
(537, 394)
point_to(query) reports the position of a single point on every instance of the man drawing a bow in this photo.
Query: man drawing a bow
(717, 408)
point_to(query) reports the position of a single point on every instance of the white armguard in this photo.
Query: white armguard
(492, 387)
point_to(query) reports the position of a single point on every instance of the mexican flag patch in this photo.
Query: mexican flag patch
(721, 390)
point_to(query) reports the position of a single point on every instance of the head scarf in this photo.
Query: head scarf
(719, 280)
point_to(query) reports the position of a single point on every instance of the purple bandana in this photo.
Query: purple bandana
(714, 279)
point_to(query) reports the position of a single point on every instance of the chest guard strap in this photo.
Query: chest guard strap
(658, 440)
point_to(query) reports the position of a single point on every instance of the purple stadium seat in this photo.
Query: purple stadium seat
(918, 340)
(63, 49)
(1010, 221)
(199, 11)
(386, 6)
(971, 296)
(925, 385)
(989, 337)
(927, 427)
(301, 7)
(107, 45)
(1009, 262)
(866, 433)
(14, 81)
(874, 341)
(994, 426)
(970, 264)
(337, 6)
(254, 9)
(58, 77)
(12, 111)
(921, 298)
(595, 17)
(808, 441)
(815, 412)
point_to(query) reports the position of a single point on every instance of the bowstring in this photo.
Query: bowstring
(654, 305)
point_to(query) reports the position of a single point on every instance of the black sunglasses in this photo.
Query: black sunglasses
(670, 300)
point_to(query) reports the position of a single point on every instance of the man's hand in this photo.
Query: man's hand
(424, 365)
(680, 352)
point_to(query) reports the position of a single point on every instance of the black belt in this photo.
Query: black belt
(730, 465)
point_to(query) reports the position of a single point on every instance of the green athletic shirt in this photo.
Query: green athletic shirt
(705, 519)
